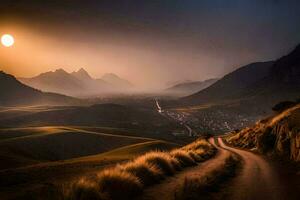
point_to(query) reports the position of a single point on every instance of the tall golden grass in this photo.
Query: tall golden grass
(127, 180)
(194, 187)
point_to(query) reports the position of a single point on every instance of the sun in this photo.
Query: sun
(7, 40)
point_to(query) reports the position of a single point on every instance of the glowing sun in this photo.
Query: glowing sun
(7, 40)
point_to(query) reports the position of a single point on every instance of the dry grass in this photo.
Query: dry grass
(184, 157)
(162, 160)
(195, 187)
(84, 189)
(127, 180)
(118, 184)
(148, 174)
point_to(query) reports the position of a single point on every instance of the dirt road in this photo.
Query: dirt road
(165, 190)
(257, 180)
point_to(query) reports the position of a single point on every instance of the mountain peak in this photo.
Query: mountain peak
(60, 71)
(81, 74)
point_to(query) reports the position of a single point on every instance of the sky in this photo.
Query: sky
(151, 43)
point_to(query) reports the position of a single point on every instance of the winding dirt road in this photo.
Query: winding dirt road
(255, 181)
(165, 190)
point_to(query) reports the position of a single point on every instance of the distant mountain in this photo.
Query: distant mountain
(58, 81)
(13, 92)
(115, 80)
(190, 87)
(255, 87)
(82, 74)
(78, 83)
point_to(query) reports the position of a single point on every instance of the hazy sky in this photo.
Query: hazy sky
(149, 42)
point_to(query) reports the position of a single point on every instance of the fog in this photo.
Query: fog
(149, 44)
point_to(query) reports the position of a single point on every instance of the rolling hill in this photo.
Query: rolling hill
(14, 93)
(146, 120)
(23, 146)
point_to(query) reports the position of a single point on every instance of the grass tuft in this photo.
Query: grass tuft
(160, 159)
(148, 174)
(83, 189)
(118, 184)
(183, 157)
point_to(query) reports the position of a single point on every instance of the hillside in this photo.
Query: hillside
(188, 88)
(13, 93)
(264, 83)
(23, 146)
(232, 85)
(276, 135)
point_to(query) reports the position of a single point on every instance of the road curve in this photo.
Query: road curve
(165, 190)
(257, 179)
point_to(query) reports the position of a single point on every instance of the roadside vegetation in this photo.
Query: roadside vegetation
(277, 135)
(194, 187)
(127, 180)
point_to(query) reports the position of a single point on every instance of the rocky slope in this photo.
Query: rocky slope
(277, 135)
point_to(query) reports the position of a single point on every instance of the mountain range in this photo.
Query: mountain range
(78, 83)
(13, 92)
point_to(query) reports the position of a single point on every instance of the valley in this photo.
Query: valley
(149, 100)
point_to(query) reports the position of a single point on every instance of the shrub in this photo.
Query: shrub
(83, 189)
(196, 157)
(147, 173)
(183, 157)
(118, 184)
(199, 144)
(160, 159)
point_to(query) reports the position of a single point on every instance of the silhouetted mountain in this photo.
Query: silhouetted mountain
(190, 87)
(287, 68)
(78, 83)
(115, 80)
(13, 92)
(255, 87)
(232, 85)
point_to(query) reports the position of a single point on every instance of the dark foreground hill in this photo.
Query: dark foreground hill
(14, 93)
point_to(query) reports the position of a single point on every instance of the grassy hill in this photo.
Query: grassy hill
(277, 135)
(25, 146)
